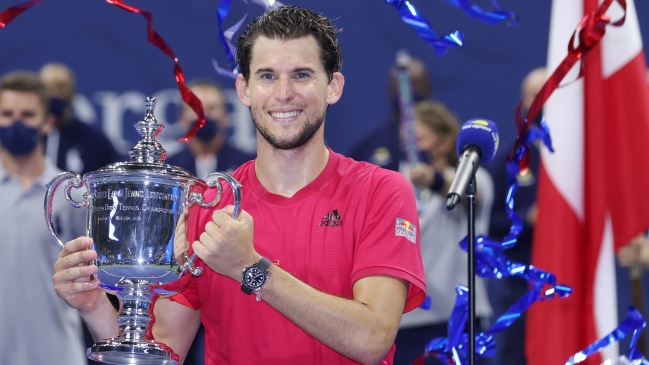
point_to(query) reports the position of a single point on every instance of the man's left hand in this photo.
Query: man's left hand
(227, 246)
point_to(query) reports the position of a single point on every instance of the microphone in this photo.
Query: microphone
(477, 143)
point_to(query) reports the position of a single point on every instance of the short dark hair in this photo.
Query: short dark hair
(25, 81)
(291, 22)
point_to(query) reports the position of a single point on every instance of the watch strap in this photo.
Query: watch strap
(264, 263)
(245, 288)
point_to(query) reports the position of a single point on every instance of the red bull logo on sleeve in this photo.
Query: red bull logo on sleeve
(405, 229)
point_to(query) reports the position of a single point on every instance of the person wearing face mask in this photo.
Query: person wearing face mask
(208, 151)
(37, 326)
(445, 263)
(382, 145)
(73, 145)
(510, 344)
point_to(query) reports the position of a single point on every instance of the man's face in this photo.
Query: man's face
(288, 91)
(23, 107)
(213, 107)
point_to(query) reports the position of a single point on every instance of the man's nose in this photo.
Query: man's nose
(285, 91)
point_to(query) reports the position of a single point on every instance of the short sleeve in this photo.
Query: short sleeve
(188, 295)
(389, 238)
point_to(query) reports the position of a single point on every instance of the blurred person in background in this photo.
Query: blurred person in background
(382, 145)
(209, 150)
(636, 253)
(37, 326)
(445, 263)
(503, 293)
(73, 145)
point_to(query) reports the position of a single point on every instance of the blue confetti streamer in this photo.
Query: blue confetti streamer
(490, 17)
(426, 303)
(542, 132)
(633, 323)
(226, 39)
(226, 36)
(411, 16)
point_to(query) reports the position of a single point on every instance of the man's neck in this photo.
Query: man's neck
(285, 172)
(27, 168)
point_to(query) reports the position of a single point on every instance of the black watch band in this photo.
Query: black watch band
(264, 263)
(262, 267)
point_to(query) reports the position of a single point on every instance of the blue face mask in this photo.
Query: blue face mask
(209, 131)
(58, 106)
(19, 139)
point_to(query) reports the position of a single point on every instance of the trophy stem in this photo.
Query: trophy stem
(133, 319)
(131, 346)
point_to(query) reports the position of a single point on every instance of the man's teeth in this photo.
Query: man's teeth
(285, 115)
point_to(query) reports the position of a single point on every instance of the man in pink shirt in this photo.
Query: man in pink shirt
(324, 257)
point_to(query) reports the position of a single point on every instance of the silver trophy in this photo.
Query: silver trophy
(133, 208)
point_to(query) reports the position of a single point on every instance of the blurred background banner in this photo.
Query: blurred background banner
(116, 67)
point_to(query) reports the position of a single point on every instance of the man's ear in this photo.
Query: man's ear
(243, 90)
(335, 88)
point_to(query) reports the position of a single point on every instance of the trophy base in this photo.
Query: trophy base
(114, 351)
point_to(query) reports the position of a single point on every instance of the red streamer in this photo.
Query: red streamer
(8, 15)
(155, 39)
(590, 31)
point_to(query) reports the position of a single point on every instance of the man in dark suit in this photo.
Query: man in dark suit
(72, 145)
(208, 151)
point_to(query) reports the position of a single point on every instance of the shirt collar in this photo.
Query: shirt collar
(49, 172)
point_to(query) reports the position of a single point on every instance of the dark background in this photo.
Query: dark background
(116, 67)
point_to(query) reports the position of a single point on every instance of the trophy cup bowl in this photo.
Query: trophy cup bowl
(133, 209)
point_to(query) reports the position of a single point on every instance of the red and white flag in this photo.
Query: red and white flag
(593, 191)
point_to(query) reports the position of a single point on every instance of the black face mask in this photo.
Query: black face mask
(537, 119)
(209, 131)
(58, 106)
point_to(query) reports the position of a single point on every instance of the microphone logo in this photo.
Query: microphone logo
(483, 134)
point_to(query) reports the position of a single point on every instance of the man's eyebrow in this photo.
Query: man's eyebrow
(304, 69)
(263, 70)
(295, 70)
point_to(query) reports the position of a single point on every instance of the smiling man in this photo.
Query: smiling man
(282, 287)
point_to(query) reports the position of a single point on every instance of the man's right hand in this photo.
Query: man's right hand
(74, 279)
(181, 245)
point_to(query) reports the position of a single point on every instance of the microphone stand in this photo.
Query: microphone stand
(471, 193)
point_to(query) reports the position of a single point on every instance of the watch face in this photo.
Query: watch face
(254, 277)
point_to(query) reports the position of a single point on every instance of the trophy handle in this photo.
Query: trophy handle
(212, 181)
(73, 181)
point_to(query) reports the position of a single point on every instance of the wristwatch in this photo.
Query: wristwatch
(255, 277)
